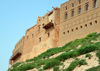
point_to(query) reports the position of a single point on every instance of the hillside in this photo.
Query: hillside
(78, 55)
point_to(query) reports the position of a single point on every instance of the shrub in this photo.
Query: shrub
(82, 62)
(51, 64)
(94, 69)
(15, 65)
(98, 55)
(26, 67)
(56, 68)
(88, 55)
(72, 66)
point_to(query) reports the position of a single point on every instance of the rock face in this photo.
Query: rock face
(73, 20)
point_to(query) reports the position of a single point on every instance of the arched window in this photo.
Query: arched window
(79, 1)
(79, 10)
(72, 13)
(87, 7)
(40, 39)
(95, 3)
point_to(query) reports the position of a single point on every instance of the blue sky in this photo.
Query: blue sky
(16, 16)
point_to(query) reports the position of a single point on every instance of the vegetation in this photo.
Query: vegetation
(51, 64)
(98, 55)
(86, 47)
(56, 68)
(88, 55)
(15, 65)
(75, 63)
(94, 69)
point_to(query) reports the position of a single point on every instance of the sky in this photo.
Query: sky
(16, 16)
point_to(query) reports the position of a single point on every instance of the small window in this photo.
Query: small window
(43, 17)
(72, 30)
(39, 19)
(79, 10)
(32, 35)
(81, 27)
(96, 22)
(76, 28)
(79, 1)
(85, 25)
(48, 34)
(66, 16)
(90, 23)
(72, 13)
(87, 7)
(39, 28)
(72, 4)
(51, 20)
(27, 37)
(42, 25)
(95, 3)
(63, 32)
(66, 7)
(68, 31)
(40, 39)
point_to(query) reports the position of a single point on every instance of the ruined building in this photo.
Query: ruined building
(73, 20)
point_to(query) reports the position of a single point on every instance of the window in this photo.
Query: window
(51, 20)
(72, 4)
(96, 22)
(48, 34)
(79, 10)
(68, 31)
(80, 26)
(43, 17)
(39, 19)
(63, 32)
(95, 3)
(32, 35)
(39, 28)
(40, 39)
(42, 25)
(90, 23)
(66, 7)
(72, 30)
(76, 28)
(66, 16)
(27, 37)
(87, 7)
(85, 25)
(79, 1)
(72, 13)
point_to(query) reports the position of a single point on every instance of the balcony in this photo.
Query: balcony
(47, 26)
(16, 55)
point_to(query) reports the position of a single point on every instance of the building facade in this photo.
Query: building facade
(73, 20)
(78, 18)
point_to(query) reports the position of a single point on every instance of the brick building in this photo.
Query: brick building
(73, 20)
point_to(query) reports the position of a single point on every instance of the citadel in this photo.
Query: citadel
(73, 20)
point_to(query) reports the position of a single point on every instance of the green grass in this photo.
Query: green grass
(51, 64)
(17, 64)
(94, 68)
(98, 55)
(75, 63)
(56, 68)
(88, 55)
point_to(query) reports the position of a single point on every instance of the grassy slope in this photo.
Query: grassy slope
(86, 47)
